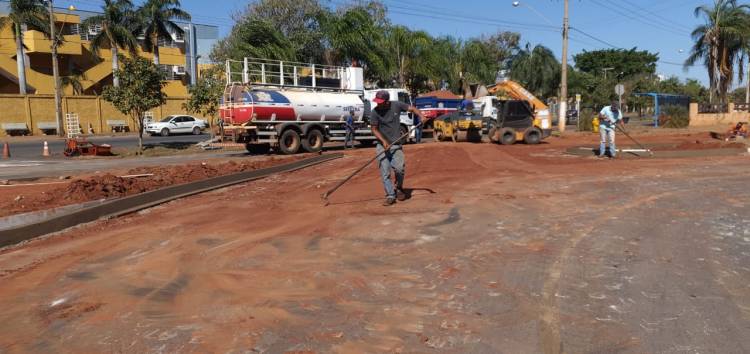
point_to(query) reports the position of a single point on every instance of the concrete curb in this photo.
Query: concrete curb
(126, 205)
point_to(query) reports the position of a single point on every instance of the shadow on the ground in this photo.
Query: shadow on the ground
(410, 193)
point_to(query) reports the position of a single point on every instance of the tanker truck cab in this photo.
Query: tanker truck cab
(289, 106)
(395, 94)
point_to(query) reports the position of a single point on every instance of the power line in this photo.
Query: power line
(637, 19)
(642, 9)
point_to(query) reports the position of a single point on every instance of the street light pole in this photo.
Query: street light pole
(564, 74)
(55, 70)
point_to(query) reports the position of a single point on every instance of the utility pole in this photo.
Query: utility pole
(605, 71)
(564, 76)
(55, 70)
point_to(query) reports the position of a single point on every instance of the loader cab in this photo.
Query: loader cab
(517, 114)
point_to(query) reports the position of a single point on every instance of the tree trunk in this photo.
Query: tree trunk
(115, 66)
(20, 60)
(139, 125)
(155, 40)
(747, 89)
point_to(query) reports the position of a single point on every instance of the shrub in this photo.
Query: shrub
(673, 116)
(586, 117)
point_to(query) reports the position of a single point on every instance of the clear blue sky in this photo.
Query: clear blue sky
(662, 26)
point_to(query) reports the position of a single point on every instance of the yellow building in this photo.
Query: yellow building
(178, 56)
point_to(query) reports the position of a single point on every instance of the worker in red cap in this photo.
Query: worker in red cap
(386, 126)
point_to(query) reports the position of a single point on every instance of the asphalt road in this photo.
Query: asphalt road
(32, 148)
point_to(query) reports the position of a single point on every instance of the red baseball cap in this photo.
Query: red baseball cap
(382, 96)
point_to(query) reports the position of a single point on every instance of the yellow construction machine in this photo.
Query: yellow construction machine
(513, 123)
(462, 125)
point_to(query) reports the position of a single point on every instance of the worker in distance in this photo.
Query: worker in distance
(609, 117)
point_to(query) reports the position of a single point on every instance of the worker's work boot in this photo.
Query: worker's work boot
(389, 201)
(400, 195)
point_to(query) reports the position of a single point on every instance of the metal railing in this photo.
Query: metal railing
(741, 107)
(713, 108)
(266, 72)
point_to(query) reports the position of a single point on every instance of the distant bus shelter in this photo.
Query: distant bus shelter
(665, 99)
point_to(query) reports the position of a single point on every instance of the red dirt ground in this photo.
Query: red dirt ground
(109, 185)
(471, 263)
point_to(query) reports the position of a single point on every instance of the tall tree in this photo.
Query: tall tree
(719, 42)
(117, 22)
(355, 36)
(297, 20)
(537, 69)
(25, 14)
(156, 22)
(256, 39)
(625, 63)
(140, 91)
(408, 48)
(206, 94)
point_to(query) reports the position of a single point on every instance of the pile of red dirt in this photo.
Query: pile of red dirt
(111, 186)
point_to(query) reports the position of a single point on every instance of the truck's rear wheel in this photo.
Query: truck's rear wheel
(289, 142)
(313, 141)
(532, 136)
(258, 149)
(507, 136)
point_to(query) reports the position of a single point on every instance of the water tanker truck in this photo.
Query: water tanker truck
(288, 106)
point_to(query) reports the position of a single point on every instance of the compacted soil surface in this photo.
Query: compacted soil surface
(48, 194)
(500, 249)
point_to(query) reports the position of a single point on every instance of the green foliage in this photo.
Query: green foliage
(297, 21)
(354, 36)
(625, 63)
(155, 21)
(254, 38)
(206, 94)
(361, 33)
(673, 116)
(117, 22)
(738, 95)
(537, 69)
(586, 121)
(721, 43)
(140, 91)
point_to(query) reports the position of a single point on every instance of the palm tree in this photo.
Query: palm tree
(116, 22)
(25, 14)
(407, 47)
(74, 80)
(156, 22)
(719, 42)
(537, 69)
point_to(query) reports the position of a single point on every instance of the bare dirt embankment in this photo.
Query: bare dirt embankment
(111, 184)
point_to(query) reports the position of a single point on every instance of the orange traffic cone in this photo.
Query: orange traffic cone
(45, 152)
(6, 150)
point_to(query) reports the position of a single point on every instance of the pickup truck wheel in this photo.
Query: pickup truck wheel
(289, 142)
(165, 132)
(196, 130)
(507, 136)
(313, 142)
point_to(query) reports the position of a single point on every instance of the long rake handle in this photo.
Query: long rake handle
(338, 185)
(631, 138)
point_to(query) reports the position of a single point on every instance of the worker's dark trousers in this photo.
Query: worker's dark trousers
(393, 159)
